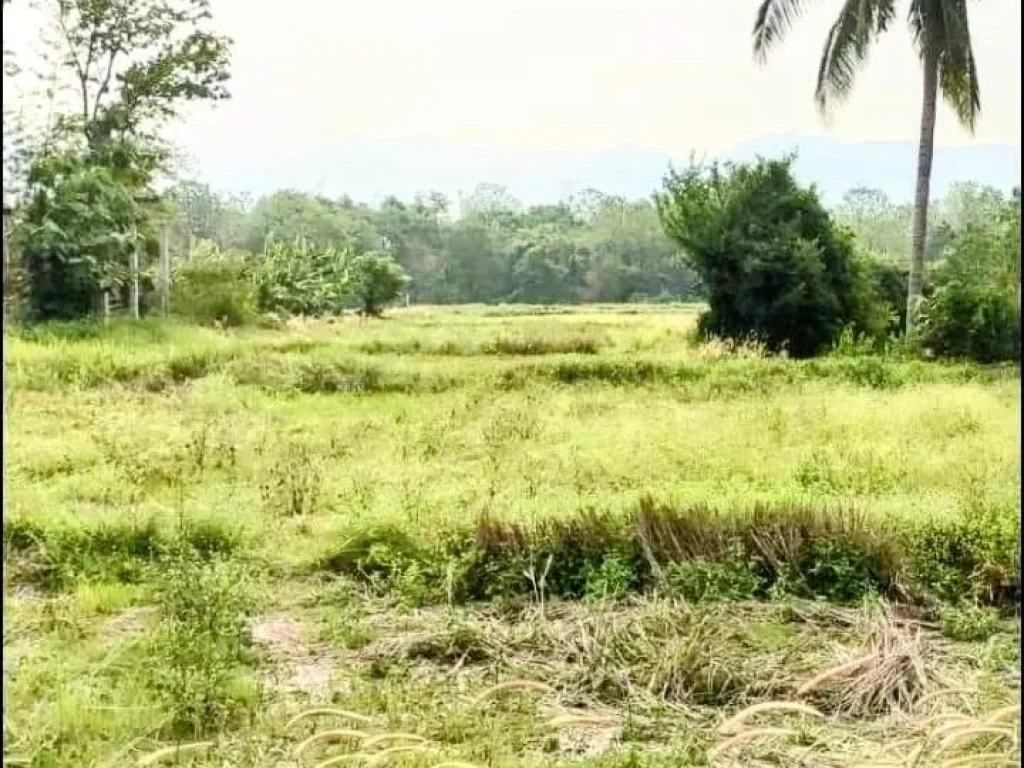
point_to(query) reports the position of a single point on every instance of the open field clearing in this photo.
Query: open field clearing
(504, 537)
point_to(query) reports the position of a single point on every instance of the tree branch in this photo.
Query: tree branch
(105, 83)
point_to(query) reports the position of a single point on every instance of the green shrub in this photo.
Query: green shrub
(973, 556)
(56, 555)
(974, 312)
(377, 281)
(969, 623)
(703, 580)
(890, 285)
(776, 268)
(841, 570)
(214, 288)
(613, 578)
(201, 643)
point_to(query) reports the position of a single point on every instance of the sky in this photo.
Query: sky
(671, 76)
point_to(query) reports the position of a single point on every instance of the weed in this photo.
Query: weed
(702, 580)
(201, 642)
(292, 485)
(614, 578)
(969, 623)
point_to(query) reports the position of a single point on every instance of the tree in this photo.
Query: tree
(776, 268)
(491, 204)
(630, 256)
(544, 262)
(476, 267)
(75, 230)
(198, 213)
(882, 227)
(133, 64)
(942, 39)
(290, 215)
(415, 234)
(968, 202)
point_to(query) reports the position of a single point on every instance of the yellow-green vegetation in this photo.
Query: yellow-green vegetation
(503, 537)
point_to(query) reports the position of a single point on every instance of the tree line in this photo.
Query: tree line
(592, 248)
(772, 263)
(488, 247)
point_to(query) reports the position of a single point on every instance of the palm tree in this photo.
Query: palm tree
(942, 40)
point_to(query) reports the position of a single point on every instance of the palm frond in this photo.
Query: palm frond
(920, 17)
(849, 40)
(958, 73)
(774, 19)
(941, 34)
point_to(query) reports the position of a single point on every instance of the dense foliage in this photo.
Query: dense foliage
(974, 311)
(302, 278)
(78, 227)
(376, 282)
(215, 286)
(941, 37)
(593, 247)
(777, 269)
(89, 177)
(292, 277)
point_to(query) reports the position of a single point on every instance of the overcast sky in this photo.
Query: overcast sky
(670, 75)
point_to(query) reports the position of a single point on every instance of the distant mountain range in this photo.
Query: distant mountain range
(369, 169)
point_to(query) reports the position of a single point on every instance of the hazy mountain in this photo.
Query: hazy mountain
(368, 169)
(836, 167)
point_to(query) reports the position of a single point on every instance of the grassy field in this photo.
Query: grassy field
(518, 536)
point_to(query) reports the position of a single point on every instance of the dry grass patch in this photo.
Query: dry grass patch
(894, 668)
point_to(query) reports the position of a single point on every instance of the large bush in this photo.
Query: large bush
(214, 286)
(973, 311)
(880, 297)
(377, 281)
(890, 284)
(775, 267)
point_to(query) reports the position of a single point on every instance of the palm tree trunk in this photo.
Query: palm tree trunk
(925, 150)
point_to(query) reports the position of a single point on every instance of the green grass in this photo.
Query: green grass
(371, 482)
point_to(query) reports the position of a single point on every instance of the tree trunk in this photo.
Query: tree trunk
(925, 150)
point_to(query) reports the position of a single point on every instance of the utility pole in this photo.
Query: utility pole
(7, 267)
(165, 270)
(142, 200)
(135, 278)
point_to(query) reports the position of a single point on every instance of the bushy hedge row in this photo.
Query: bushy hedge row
(693, 552)
(697, 553)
